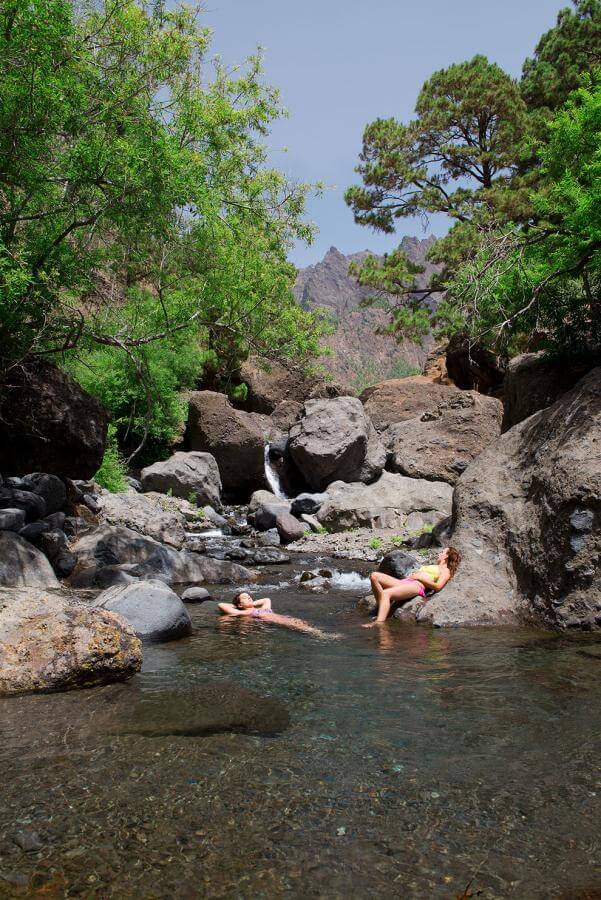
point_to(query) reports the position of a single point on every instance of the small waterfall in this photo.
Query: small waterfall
(272, 477)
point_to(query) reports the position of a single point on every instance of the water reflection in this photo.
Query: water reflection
(249, 761)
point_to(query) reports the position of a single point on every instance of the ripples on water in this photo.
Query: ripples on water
(248, 761)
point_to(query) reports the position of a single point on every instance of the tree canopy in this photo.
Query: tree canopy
(136, 203)
(562, 56)
(516, 171)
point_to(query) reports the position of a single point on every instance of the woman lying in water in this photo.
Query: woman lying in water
(261, 611)
(388, 590)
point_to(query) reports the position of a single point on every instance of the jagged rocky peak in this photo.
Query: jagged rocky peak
(329, 284)
(361, 354)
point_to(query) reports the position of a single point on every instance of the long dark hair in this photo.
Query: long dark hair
(236, 600)
(453, 560)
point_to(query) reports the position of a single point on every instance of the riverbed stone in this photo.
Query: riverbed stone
(333, 441)
(50, 487)
(12, 519)
(32, 504)
(289, 528)
(50, 642)
(307, 503)
(22, 564)
(186, 474)
(387, 503)
(398, 563)
(117, 545)
(196, 595)
(138, 512)
(515, 526)
(154, 611)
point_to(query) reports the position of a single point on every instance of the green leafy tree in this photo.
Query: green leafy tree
(457, 157)
(541, 285)
(136, 204)
(563, 54)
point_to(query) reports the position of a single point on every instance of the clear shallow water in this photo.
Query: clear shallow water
(248, 761)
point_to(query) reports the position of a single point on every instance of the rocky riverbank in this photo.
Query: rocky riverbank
(410, 466)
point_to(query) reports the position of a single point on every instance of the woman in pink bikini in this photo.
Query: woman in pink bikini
(261, 611)
(388, 590)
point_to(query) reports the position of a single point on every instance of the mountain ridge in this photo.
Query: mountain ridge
(361, 355)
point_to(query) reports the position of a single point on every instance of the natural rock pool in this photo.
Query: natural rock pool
(248, 761)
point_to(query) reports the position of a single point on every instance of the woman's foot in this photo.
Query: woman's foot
(372, 624)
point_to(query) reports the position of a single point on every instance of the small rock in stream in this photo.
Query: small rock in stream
(28, 841)
(195, 595)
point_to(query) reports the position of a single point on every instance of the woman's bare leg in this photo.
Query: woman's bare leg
(398, 592)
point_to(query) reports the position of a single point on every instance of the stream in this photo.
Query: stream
(250, 761)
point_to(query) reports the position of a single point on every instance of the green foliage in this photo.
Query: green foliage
(543, 283)
(397, 540)
(470, 123)
(376, 543)
(239, 393)
(372, 372)
(562, 56)
(112, 472)
(458, 156)
(138, 217)
(193, 498)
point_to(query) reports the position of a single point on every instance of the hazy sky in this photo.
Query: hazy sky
(341, 63)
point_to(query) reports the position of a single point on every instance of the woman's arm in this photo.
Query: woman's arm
(429, 582)
(228, 609)
(265, 603)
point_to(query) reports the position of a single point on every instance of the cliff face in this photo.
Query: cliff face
(361, 356)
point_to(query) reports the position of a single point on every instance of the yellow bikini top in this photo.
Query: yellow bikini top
(432, 571)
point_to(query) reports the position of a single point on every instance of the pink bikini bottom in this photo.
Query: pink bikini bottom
(420, 588)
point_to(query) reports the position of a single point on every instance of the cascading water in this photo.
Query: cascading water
(272, 477)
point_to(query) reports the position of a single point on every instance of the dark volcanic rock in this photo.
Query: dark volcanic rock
(533, 382)
(398, 564)
(528, 522)
(115, 546)
(32, 504)
(335, 441)
(22, 565)
(184, 474)
(49, 424)
(51, 488)
(235, 438)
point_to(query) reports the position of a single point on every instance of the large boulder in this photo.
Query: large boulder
(440, 444)
(534, 382)
(139, 513)
(391, 502)
(270, 384)
(400, 399)
(48, 423)
(185, 474)
(528, 522)
(154, 611)
(52, 643)
(470, 365)
(335, 440)
(235, 438)
(22, 565)
(118, 546)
